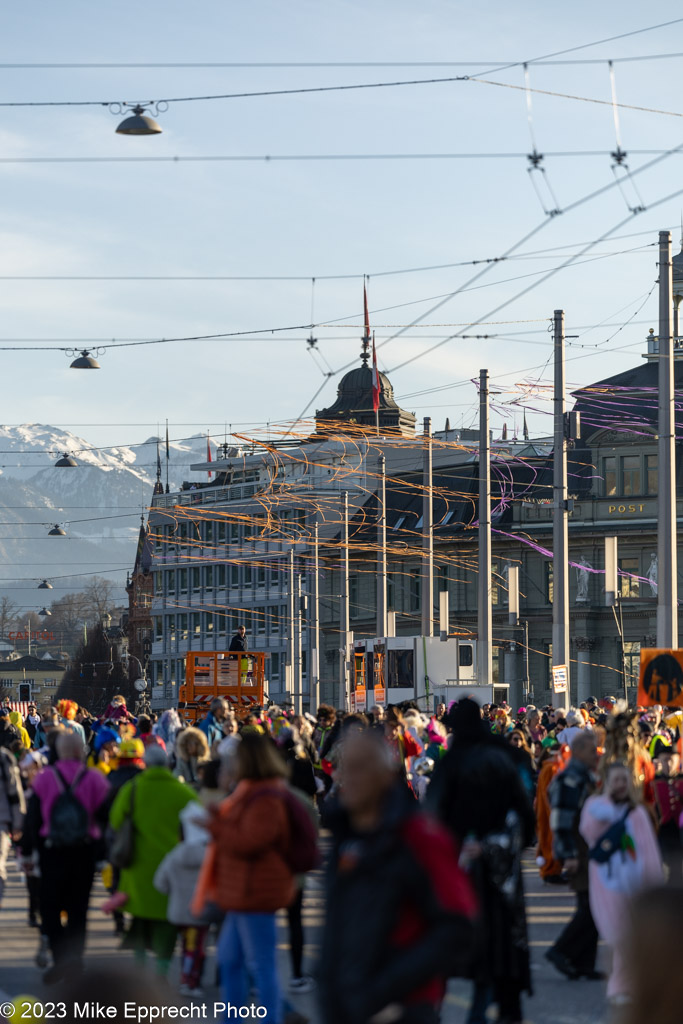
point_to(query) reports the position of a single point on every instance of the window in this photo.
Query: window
(220, 576)
(196, 578)
(158, 583)
(495, 582)
(196, 623)
(170, 581)
(234, 575)
(548, 582)
(631, 475)
(208, 577)
(275, 574)
(400, 669)
(222, 532)
(629, 584)
(632, 661)
(158, 628)
(465, 655)
(274, 666)
(609, 473)
(261, 576)
(274, 616)
(247, 576)
(414, 589)
(260, 620)
(399, 523)
(182, 581)
(182, 626)
(170, 626)
(234, 533)
(209, 532)
(651, 474)
(495, 663)
(391, 592)
(208, 622)
(354, 599)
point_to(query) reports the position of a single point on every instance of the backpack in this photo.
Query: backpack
(302, 854)
(69, 821)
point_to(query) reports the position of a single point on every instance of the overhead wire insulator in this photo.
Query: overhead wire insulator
(536, 168)
(619, 166)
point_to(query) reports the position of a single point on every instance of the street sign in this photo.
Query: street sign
(560, 678)
(661, 677)
(380, 695)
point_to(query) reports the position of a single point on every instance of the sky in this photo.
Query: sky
(318, 219)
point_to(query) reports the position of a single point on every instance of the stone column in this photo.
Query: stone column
(584, 646)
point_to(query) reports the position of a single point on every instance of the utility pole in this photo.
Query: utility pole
(344, 616)
(382, 548)
(298, 675)
(289, 668)
(667, 591)
(427, 533)
(314, 641)
(560, 513)
(484, 608)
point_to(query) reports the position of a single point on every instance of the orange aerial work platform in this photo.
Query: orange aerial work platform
(238, 676)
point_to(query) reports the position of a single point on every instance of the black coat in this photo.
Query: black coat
(372, 881)
(238, 643)
(473, 788)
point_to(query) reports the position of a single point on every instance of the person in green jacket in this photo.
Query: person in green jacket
(157, 800)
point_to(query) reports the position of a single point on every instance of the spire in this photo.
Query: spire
(158, 486)
(525, 428)
(365, 341)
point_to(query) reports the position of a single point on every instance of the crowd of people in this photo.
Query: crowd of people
(203, 832)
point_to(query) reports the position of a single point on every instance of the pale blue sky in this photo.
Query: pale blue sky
(313, 219)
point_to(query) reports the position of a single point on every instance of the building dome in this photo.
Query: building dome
(354, 404)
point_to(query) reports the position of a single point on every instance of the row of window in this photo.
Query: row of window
(266, 620)
(247, 529)
(217, 577)
(629, 475)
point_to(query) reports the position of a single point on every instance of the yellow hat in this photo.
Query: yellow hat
(21, 1009)
(131, 750)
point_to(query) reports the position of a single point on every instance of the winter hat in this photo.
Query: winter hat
(132, 750)
(194, 820)
(67, 709)
(105, 735)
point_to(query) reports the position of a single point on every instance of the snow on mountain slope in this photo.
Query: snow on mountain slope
(99, 502)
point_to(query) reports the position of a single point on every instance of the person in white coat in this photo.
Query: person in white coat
(177, 877)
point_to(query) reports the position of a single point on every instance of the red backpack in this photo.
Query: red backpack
(303, 854)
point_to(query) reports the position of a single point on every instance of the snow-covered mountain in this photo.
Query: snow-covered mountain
(99, 503)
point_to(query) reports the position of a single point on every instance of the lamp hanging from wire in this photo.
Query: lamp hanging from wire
(138, 122)
(45, 585)
(66, 462)
(85, 362)
(56, 531)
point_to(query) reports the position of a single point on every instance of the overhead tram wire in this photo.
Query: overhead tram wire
(572, 206)
(340, 88)
(325, 157)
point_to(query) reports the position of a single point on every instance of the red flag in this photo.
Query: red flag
(208, 453)
(375, 378)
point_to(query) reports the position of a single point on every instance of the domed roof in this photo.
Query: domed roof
(354, 403)
(677, 265)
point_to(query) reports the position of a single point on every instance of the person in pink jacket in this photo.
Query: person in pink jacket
(624, 859)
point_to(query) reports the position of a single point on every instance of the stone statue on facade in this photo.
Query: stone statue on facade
(582, 579)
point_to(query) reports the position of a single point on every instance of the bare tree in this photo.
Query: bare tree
(8, 615)
(98, 598)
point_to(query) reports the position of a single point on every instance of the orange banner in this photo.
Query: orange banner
(661, 677)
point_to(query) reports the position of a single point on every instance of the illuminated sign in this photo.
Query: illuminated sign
(41, 634)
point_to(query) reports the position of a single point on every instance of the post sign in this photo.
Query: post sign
(661, 677)
(560, 678)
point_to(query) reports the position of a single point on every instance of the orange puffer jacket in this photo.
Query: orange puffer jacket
(251, 834)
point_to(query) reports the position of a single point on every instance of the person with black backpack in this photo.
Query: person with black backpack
(64, 822)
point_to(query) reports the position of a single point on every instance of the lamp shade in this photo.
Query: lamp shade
(138, 123)
(65, 462)
(44, 612)
(44, 585)
(85, 362)
(56, 531)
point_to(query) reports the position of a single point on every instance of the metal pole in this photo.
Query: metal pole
(298, 675)
(484, 607)
(427, 533)
(667, 591)
(560, 516)
(382, 548)
(315, 624)
(526, 660)
(289, 668)
(344, 616)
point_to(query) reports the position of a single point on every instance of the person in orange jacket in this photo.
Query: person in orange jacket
(554, 760)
